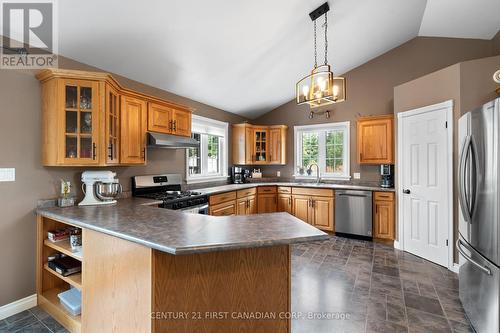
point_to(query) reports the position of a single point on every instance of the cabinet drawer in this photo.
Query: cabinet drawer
(223, 197)
(223, 209)
(267, 189)
(385, 196)
(246, 192)
(322, 192)
(284, 189)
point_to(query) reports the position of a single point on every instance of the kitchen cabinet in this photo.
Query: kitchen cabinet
(133, 130)
(259, 145)
(285, 199)
(89, 119)
(375, 140)
(71, 113)
(267, 203)
(247, 205)
(223, 209)
(314, 206)
(169, 120)
(112, 126)
(223, 204)
(383, 215)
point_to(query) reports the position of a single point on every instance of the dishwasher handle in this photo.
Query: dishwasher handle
(354, 193)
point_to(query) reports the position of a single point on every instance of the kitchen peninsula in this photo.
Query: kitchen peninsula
(146, 269)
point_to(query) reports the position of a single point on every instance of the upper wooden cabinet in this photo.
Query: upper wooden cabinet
(169, 120)
(71, 130)
(89, 119)
(133, 130)
(375, 140)
(259, 145)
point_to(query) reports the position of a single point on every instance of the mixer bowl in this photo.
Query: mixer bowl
(107, 191)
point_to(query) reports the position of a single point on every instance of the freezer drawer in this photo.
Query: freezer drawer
(479, 288)
(353, 212)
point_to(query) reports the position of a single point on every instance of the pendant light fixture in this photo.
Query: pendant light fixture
(320, 87)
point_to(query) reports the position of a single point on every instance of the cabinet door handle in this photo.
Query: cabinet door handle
(290, 201)
(170, 125)
(94, 154)
(144, 154)
(175, 125)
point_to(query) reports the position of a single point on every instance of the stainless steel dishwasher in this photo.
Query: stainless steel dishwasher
(353, 212)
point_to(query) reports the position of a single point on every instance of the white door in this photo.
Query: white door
(425, 183)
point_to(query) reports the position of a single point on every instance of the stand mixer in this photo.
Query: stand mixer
(100, 188)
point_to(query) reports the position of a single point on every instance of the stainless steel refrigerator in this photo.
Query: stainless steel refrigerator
(479, 217)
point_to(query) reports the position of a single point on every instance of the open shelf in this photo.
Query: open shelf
(49, 301)
(75, 279)
(63, 247)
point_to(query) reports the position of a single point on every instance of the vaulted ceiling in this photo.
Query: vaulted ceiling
(245, 56)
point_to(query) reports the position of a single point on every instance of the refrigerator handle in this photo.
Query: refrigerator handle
(473, 177)
(469, 259)
(462, 192)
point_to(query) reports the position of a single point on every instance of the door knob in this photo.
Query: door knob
(406, 191)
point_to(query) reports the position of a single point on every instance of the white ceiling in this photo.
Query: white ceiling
(461, 18)
(245, 56)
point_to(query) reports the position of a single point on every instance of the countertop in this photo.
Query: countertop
(176, 232)
(345, 186)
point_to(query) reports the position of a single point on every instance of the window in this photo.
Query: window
(208, 161)
(326, 145)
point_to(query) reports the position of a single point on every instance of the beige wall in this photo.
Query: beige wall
(469, 84)
(20, 136)
(496, 44)
(370, 90)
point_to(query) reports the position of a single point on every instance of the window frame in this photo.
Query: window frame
(322, 128)
(212, 127)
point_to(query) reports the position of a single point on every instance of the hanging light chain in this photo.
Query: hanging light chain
(315, 48)
(326, 39)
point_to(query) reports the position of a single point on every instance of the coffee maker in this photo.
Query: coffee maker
(387, 175)
(239, 174)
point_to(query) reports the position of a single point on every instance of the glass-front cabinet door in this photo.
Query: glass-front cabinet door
(112, 125)
(261, 145)
(80, 114)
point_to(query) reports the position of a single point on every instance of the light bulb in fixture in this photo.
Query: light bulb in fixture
(305, 90)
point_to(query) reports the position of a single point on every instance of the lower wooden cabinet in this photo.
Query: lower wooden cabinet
(246, 205)
(223, 209)
(383, 215)
(267, 203)
(285, 203)
(315, 210)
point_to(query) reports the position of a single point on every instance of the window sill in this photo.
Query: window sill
(322, 178)
(194, 180)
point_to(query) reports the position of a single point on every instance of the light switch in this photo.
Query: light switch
(357, 175)
(7, 174)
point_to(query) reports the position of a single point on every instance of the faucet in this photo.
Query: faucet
(318, 177)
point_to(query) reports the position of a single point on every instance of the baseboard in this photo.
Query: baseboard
(455, 268)
(397, 246)
(15, 307)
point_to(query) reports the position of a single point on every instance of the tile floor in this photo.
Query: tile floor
(370, 287)
(349, 286)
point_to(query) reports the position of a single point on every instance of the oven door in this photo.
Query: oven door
(201, 209)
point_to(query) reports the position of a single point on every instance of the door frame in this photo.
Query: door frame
(447, 107)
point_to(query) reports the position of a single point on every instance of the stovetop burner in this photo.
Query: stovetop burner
(170, 195)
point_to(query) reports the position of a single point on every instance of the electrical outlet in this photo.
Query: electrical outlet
(278, 173)
(7, 174)
(357, 175)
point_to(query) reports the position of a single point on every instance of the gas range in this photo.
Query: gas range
(167, 188)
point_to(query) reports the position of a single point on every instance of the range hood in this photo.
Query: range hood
(159, 140)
